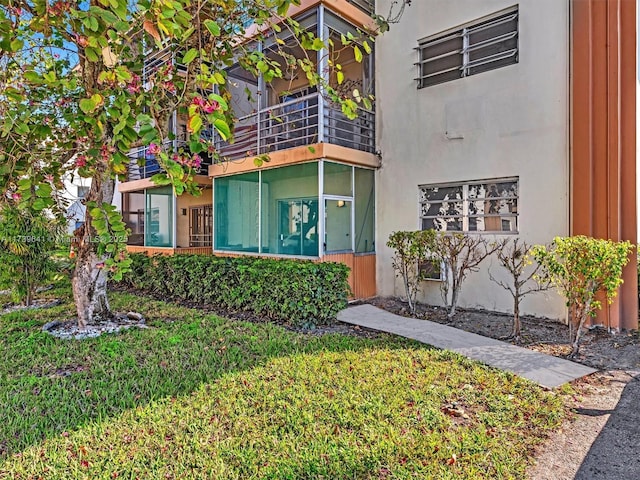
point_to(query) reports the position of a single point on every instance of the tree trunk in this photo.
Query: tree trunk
(515, 334)
(454, 300)
(89, 283)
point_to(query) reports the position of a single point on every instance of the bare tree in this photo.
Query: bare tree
(461, 255)
(524, 277)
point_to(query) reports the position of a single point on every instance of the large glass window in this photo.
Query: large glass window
(365, 210)
(236, 212)
(133, 216)
(290, 210)
(337, 179)
(159, 217)
(279, 211)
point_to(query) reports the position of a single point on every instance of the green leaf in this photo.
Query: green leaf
(32, 77)
(222, 128)
(213, 27)
(91, 54)
(161, 179)
(39, 204)
(195, 124)
(358, 53)
(190, 56)
(16, 45)
(87, 105)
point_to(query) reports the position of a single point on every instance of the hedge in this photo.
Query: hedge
(298, 292)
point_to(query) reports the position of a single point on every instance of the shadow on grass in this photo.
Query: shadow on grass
(50, 386)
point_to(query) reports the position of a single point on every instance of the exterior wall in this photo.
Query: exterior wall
(75, 209)
(513, 122)
(604, 137)
(182, 221)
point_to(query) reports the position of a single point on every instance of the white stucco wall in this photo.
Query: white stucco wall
(514, 121)
(75, 210)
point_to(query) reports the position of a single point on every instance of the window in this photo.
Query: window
(478, 47)
(478, 206)
(201, 226)
(431, 270)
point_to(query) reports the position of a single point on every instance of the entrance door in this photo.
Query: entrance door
(337, 230)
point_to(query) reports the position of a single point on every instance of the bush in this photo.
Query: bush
(411, 250)
(298, 292)
(27, 240)
(581, 267)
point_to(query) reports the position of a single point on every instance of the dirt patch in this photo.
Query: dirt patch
(560, 457)
(599, 348)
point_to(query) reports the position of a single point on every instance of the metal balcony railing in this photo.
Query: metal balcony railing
(302, 121)
(142, 164)
(367, 6)
(158, 58)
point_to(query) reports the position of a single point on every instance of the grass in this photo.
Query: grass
(197, 396)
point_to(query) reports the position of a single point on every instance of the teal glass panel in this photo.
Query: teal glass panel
(290, 210)
(338, 226)
(236, 212)
(337, 179)
(365, 210)
(159, 217)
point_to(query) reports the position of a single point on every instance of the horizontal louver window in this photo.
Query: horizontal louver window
(478, 47)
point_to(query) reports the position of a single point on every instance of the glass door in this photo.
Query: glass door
(297, 227)
(159, 217)
(338, 225)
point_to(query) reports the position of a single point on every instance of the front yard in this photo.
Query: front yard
(197, 396)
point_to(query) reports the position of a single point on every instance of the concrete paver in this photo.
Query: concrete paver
(546, 370)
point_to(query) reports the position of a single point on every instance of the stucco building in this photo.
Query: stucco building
(491, 117)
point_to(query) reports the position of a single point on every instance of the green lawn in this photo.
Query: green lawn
(197, 396)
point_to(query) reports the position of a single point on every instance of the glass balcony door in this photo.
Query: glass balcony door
(159, 217)
(338, 225)
(298, 224)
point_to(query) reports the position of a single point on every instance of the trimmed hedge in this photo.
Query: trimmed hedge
(297, 292)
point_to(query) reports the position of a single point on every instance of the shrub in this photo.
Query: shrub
(299, 292)
(411, 249)
(581, 267)
(524, 276)
(27, 241)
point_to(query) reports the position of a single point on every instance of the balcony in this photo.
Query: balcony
(301, 121)
(143, 165)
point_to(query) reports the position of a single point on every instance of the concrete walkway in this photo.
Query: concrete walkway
(545, 370)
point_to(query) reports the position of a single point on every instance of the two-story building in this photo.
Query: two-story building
(491, 117)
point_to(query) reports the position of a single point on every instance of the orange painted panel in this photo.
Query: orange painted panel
(364, 276)
(603, 136)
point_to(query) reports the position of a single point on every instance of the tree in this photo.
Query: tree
(525, 276)
(27, 239)
(411, 249)
(581, 268)
(75, 96)
(460, 254)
